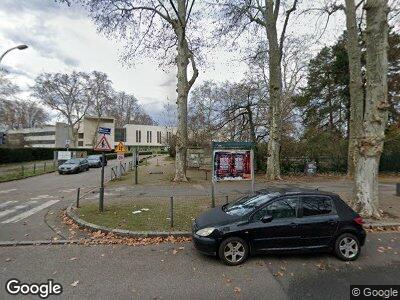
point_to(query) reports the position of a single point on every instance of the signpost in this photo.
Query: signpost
(136, 164)
(102, 146)
(232, 161)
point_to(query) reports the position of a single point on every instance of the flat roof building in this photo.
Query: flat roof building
(147, 136)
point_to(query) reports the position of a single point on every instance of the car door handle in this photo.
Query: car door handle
(293, 225)
(332, 222)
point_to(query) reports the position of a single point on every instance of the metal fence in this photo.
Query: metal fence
(120, 170)
(19, 171)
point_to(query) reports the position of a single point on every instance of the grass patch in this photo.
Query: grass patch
(120, 216)
(18, 175)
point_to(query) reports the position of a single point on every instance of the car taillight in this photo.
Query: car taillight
(358, 220)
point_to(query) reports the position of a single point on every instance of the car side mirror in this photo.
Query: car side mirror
(266, 219)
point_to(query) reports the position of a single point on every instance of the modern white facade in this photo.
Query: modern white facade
(58, 136)
(148, 135)
(47, 136)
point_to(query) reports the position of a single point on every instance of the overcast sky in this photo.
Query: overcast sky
(62, 39)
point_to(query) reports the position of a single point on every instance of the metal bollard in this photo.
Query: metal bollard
(22, 170)
(397, 189)
(44, 167)
(171, 211)
(227, 199)
(34, 168)
(212, 196)
(78, 191)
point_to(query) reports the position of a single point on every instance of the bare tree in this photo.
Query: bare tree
(100, 92)
(370, 145)
(123, 108)
(241, 14)
(155, 27)
(67, 94)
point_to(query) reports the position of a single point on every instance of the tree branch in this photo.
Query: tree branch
(282, 39)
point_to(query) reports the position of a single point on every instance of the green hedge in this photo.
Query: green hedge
(15, 155)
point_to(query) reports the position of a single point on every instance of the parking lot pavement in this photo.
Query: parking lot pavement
(177, 271)
(25, 203)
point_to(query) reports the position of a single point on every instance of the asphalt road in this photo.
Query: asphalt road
(155, 272)
(25, 203)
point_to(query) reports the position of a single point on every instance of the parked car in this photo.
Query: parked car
(280, 220)
(95, 161)
(74, 165)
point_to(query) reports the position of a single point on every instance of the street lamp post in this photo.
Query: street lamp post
(19, 47)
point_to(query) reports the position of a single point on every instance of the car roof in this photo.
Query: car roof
(293, 190)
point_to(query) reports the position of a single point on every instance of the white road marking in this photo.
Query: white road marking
(198, 187)
(7, 203)
(15, 208)
(68, 190)
(30, 212)
(7, 191)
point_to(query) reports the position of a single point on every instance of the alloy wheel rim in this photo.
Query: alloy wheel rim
(348, 247)
(234, 252)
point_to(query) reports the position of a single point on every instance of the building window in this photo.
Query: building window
(41, 133)
(80, 135)
(149, 137)
(138, 136)
(159, 137)
(169, 134)
(80, 143)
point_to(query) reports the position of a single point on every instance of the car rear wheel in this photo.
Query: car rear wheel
(233, 251)
(347, 247)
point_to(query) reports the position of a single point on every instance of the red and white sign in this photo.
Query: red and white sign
(103, 145)
(120, 156)
(232, 165)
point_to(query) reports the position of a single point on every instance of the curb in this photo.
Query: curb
(38, 243)
(121, 232)
(381, 225)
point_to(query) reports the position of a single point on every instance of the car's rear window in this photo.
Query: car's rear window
(316, 205)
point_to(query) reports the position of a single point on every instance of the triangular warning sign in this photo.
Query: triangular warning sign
(120, 147)
(103, 145)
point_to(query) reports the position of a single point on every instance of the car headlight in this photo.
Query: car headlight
(205, 231)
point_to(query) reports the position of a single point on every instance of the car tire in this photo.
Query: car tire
(233, 251)
(59, 172)
(347, 247)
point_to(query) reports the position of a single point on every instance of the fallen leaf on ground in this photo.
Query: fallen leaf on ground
(73, 258)
(75, 283)
(175, 251)
(278, 274)
(237, 290)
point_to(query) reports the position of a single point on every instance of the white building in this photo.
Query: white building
(87, 133)
(46, 136)
(57, 136)
(148, 136)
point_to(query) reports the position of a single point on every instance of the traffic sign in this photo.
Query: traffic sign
(120, 156)
(103, 145)
(104, 130)
(120, 147)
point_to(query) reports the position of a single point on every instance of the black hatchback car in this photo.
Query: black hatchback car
(280, 220)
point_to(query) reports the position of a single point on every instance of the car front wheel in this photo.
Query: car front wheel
(233, 251)
(347, 247)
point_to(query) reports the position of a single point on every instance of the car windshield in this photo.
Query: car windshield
(247, 204)
(93, 157)
(72, 162)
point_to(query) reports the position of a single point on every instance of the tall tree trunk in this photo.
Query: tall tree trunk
(370, 145)
(356, 88)
(275, 92)
(183, 58)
